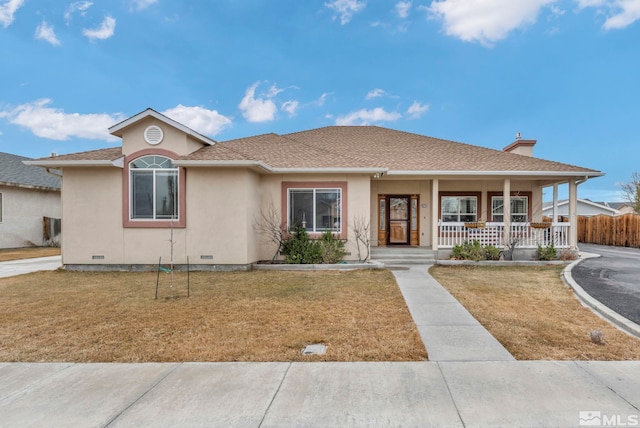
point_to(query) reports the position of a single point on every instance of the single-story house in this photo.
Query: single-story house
(27, 195)
(168, 190)
(622, 207)
(584, 207)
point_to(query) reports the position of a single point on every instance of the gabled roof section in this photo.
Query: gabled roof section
(13, 172)
(118, 128)
(278, 153)
(404, 152)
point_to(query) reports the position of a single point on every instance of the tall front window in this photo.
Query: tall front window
(459, 209)
(519, 209)
(316, 210)
(154, 189)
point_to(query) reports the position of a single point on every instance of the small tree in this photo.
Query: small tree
(271, 227)
(631, 191)
(361, 232)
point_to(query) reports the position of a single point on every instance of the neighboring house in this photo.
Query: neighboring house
(585, 208)
(169, 190)
(622, 207)
(27, 195)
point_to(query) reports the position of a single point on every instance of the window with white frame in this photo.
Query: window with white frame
(153, 189)
(459, 208)
(519, 209)
(315, 209)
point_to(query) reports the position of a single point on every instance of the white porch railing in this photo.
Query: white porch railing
(452, 234)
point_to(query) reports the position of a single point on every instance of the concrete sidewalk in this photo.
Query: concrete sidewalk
(19, 267)
(448, 330)
(411, 394)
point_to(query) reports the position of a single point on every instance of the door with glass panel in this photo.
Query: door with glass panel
(399, 219)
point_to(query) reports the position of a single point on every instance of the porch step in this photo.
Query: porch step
(403, 255)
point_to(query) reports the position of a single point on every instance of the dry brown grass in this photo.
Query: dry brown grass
(27, 253)
(239, 316)
(533, 314)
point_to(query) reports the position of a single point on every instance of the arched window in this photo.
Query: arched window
(153, 189)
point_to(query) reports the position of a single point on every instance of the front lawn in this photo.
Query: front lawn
(230, 316)
(534, 314)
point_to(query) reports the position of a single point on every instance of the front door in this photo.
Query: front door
(399, 219)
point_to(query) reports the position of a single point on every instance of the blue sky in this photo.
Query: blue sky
(563, 72)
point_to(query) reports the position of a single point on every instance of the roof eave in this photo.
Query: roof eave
(52, 163)
(576, 174)
(29, 186)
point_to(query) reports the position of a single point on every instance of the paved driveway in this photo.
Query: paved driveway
(18, 267)
(613, 279)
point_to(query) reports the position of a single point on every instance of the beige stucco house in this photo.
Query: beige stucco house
(169, 188)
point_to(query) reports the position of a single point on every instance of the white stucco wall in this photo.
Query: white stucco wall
(22, 213)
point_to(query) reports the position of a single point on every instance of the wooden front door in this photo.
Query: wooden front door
(398, 220)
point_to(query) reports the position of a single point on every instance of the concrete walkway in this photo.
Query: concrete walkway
(19, 267)
(448, 330)
(411, 394)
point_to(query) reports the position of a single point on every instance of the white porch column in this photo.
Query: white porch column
(434, 213)
(506, 209)
(555, 203)
(573, 217)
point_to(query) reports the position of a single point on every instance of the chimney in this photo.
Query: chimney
(520, 146)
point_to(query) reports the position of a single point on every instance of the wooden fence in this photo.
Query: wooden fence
(621, 231)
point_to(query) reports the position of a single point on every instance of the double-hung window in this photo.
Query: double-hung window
(315, 209)
(153, 189)
(459, 209)
(519, 209)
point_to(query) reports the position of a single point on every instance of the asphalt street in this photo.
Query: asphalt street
(613, 279)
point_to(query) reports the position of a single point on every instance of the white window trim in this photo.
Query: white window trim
(314, 189)
(154, 170)
(512, 198)
(459, 197)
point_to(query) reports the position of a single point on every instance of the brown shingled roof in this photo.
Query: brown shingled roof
(109, 154)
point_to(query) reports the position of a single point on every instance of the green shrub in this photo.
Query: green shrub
(491, 252)
(547, 253)
(299, 249)
(468, 251)
(331, 248)
(475, 251)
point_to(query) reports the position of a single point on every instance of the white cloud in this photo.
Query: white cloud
(103, 32)
(323, 98)
(55, 124)
(416, 110)
(45, 32)
(345, 9)
(628, 12)
(621, 13)
(375, 93)
(200, 119)
(485, 21)
(7, 10)
(403, 8)
(290, 107)
(257, 109)
(366, 117)
(142, 4)
(79, 6)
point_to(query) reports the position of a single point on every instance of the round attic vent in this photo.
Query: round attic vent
(153, 135)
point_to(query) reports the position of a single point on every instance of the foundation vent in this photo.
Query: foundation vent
(206, 257)
(100, 257)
